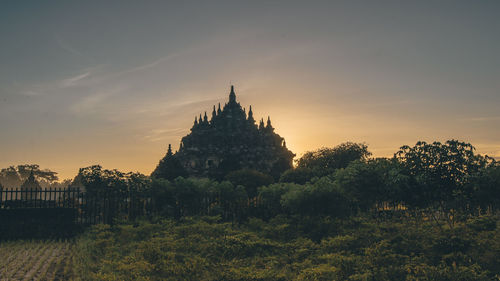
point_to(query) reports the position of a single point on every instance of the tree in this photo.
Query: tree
(325, 161)
(47, 175)
(299, 175)
(14, 176)
(95, 179)
(439, 173)
(322, 197)
(250, 179)
(169, 167)
(486, 187)
(364, 183)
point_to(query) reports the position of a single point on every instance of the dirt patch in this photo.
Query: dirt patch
(35, 260)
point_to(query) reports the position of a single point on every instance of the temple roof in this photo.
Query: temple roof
(231, 140)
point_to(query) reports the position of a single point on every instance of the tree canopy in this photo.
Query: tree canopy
(14, 176)
(440, 173)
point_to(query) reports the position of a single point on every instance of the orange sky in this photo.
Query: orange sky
(115, 84)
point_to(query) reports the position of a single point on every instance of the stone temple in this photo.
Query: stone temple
(230, 140)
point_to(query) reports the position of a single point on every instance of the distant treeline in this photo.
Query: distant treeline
(14, 176)
(445, 182)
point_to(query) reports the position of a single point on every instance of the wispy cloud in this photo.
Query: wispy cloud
(150, 64)
(161, 134)
(88, 103)
(73, 81)
(160, 108)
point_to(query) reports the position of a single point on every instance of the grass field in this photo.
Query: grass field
(36, 260)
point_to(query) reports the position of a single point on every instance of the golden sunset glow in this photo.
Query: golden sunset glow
(77, 95)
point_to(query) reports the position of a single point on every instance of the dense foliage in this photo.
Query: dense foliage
(428, 213)
(95, 179)
(294, 248)
(250, 179)
(325, 160)
(444, 182)
(169, 167)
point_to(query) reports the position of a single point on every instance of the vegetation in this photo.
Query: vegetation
(428, 213)
(291, 248)
(95, 179)
(250, 179)
(14, 176)
(325, 160)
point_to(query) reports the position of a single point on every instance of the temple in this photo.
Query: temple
(230, 140)
(30, 188)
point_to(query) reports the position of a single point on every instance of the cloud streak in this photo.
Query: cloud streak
(89, 103)
(156, 135)
(73, 81)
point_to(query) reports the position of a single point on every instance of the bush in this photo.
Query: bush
(250, 179)
(294, 248)
(322, 197)
(299, 175)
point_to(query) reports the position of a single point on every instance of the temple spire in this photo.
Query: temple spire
(232, 95)
(169, 151)
(218, 110)
(214, 113)
(250, 115)
(268, 122)
(205, 118)
(261, 124)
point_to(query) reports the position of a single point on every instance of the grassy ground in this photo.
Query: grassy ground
(36, 260)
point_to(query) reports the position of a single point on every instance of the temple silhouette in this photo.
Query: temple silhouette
(231, 140)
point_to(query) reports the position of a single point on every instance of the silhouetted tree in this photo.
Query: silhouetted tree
(15, 176)
(486, 187)
(169, 167)
(364, 183)
(325, 161)
(95, 179)
(321, 197)
(299, 175)
(439, 174)
(250, 179)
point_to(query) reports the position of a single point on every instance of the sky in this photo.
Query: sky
(114, 82)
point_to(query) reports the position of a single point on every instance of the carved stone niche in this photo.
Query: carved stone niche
(212, 162)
